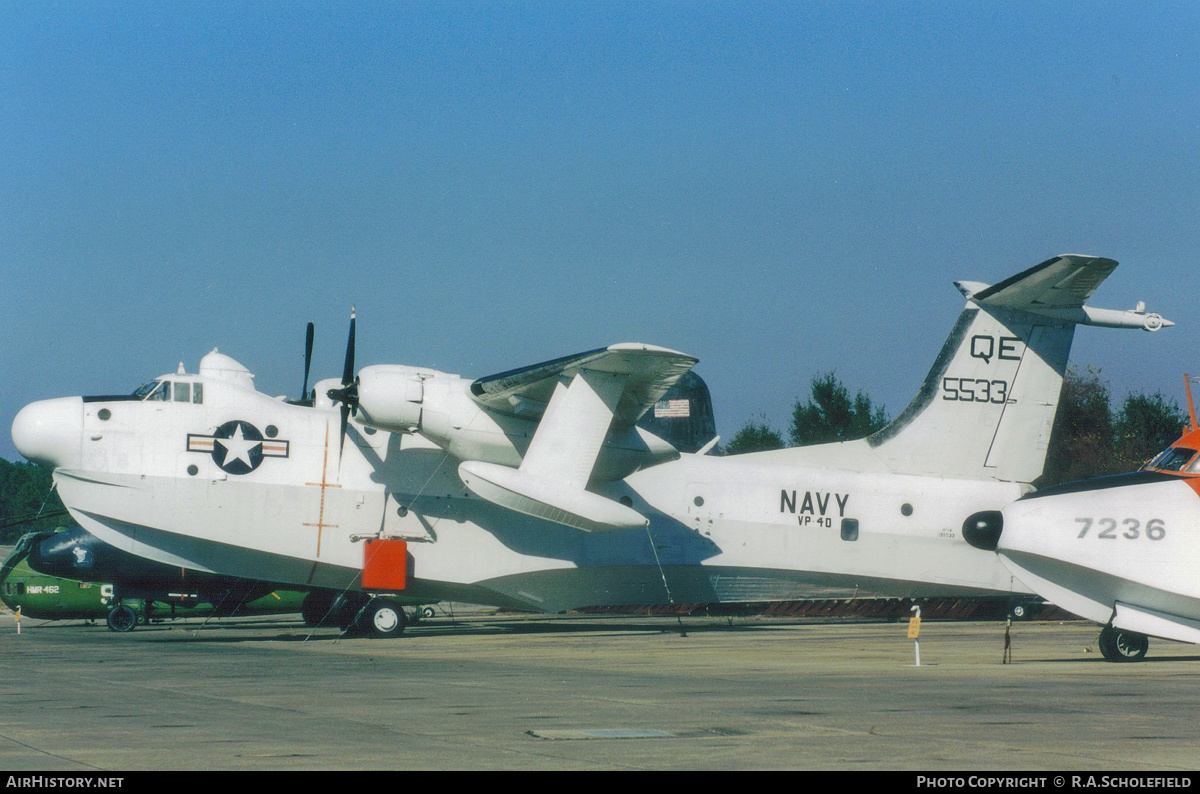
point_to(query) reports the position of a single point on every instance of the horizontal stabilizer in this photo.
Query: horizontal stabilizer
(1065, 281)
(1058, 288)
(543, 497)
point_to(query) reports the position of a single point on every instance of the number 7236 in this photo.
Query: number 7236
(1130, 528)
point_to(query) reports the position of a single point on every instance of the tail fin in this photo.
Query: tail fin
(987, 406)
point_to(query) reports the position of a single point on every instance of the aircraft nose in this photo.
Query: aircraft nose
(65, 554)
(982, 530)
(50, 432)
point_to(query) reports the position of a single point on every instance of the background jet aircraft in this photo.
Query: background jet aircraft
(536, 489)
(1119, 550)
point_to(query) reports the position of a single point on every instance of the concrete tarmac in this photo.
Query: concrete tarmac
(491, 691)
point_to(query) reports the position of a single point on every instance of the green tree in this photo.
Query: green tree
(1090, 440)
(24, 491)
(754, 437)
(1081, 442)
(1145, 426)
(831, 415)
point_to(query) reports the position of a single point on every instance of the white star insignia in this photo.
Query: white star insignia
(238, 447)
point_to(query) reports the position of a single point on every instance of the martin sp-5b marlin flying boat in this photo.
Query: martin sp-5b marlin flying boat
(536, 488)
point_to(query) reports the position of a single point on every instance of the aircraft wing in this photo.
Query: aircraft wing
(648, 372)
(577, 400)
(1064, 282)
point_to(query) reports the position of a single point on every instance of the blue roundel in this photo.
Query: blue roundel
(237, 447)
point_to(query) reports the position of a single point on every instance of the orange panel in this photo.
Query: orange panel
(385, 565)
(1194, 482)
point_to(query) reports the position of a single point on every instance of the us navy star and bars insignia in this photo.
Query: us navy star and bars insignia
(237, 447)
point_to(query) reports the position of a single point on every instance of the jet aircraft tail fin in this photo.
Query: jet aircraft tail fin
(988, 404)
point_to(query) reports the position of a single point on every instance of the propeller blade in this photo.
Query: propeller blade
(348, 372)
(348, 394)
(342, 436)
(308, 345)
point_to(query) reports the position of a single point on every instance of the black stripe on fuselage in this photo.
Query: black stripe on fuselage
(1102, 483)
(929, 387)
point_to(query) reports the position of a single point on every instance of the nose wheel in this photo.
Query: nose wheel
(1118, 645)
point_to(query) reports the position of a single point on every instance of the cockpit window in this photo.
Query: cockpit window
(159, 390)
(167, 391)
(23, 545)
(1173, 459)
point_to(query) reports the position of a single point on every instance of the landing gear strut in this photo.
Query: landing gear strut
(1118, 645)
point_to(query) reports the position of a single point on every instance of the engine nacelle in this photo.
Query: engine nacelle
(390, 397)
(403, 399)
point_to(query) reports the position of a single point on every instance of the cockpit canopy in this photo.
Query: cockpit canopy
(184, 388)
(1181, 457)
(167, 390)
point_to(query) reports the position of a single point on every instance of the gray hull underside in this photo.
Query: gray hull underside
(550, 590)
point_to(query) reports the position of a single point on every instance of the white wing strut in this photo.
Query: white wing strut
(554, 473)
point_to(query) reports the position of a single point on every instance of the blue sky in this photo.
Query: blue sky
(779, 189)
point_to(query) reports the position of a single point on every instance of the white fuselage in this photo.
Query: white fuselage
(535, 487)
(1125, 542)
(154, 478)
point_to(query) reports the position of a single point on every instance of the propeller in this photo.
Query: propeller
(348, 394)
(308, 344)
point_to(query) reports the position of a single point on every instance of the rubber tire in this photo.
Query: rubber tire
(122, 619)
(382, 618)
(316, 609)
(345, 611)
(428, 612)
(1123, 646)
